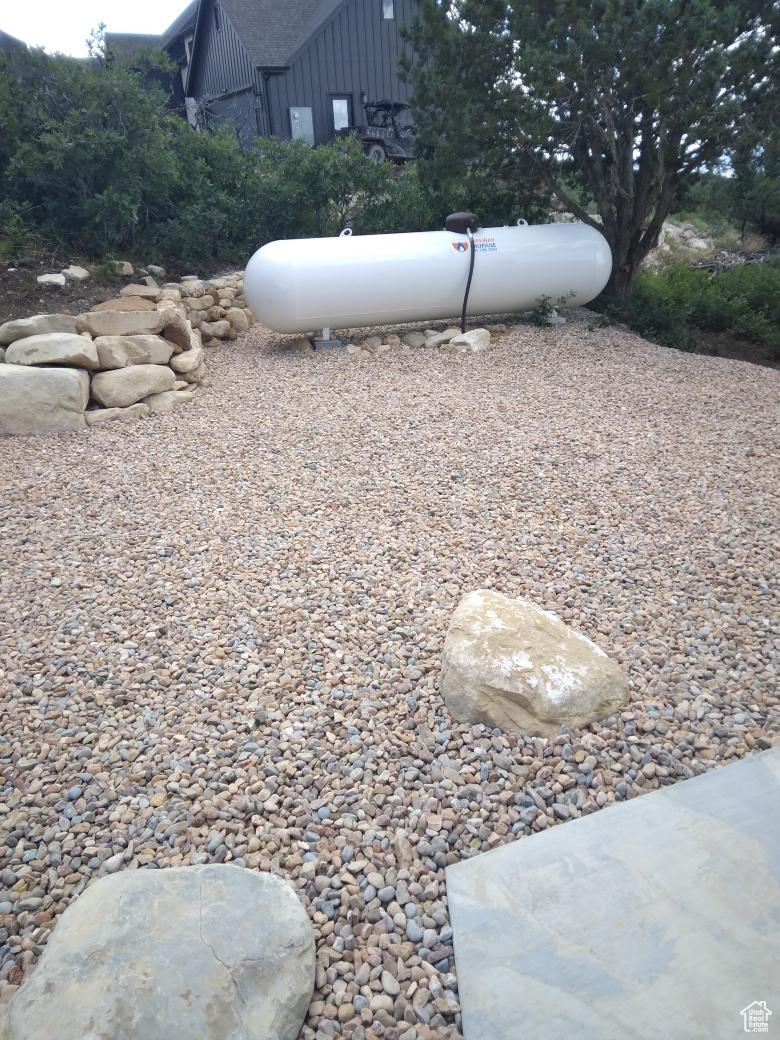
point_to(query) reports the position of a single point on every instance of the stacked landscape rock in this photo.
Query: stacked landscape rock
(128, 357)
(217, 306)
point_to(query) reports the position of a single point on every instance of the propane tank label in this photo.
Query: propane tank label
(481, 245)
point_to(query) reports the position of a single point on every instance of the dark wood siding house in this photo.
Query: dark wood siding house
(176, 41)
(295, 68)
(9, 44)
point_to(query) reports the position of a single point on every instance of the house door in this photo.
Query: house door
(302, 125)
(340, 112)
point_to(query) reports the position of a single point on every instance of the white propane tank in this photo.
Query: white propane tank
(301, 285)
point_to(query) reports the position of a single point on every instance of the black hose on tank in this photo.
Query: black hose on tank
(468, 283)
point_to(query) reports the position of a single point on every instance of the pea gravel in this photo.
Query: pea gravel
(220, 629)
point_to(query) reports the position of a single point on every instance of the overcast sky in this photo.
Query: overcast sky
(64, 25)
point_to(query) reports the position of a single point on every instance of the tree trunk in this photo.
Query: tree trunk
(621, 283)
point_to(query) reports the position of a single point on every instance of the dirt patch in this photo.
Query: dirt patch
(721, 344)
(21, 295)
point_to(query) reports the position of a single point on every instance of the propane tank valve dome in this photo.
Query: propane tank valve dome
(460, 223)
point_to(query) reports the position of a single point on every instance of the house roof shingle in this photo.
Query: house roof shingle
(123, 45)
(182, 24)
(10, 43)
(273, 30)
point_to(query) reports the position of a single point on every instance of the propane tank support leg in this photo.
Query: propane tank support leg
(326, 341)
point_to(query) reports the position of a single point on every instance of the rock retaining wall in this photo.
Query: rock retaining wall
(138, 354)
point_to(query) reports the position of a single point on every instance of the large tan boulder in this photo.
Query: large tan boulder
(125, 386)
(120, 323)
(176, 328)
(125, 303)
(198, 303)
(53, 348)
(42, 400)
(145, 292)
(237, 319)
(509, 664)
(121, 351)
(37, 325)
(210, 952)
(217, 329)
(188, 361)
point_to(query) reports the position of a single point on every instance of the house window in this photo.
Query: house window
(302, 125)
(217, 17)
(388, 9)
(341, 112)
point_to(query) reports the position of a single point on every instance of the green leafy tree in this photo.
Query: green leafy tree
(757, 186)
(623, 100)
(86, 149)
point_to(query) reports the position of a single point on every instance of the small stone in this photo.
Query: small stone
(113, 863)
(475, 341)
(346, 1013)
(74, 273)
(167, 401)
(414, 930)
(390, 984)
(96, 416)
(437, 338)
(145, 292)
(414, 339)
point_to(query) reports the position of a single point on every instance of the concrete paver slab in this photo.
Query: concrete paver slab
(655, 919)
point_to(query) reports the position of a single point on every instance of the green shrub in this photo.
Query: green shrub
(93, 161)
(85, 150)
(668, 304)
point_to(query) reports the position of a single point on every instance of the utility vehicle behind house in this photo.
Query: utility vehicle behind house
(388, 132)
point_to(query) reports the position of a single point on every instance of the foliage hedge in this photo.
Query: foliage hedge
(93, 161)
(668, 304)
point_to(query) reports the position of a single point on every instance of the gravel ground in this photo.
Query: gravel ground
(221, 628)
